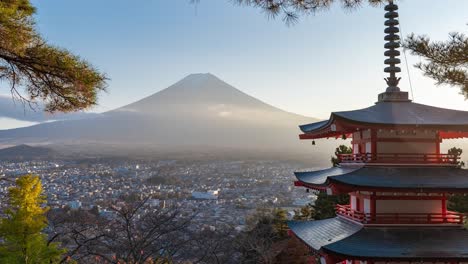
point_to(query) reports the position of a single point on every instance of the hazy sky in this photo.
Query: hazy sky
(327, 62)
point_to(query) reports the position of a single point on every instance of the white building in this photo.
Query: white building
(209, 195)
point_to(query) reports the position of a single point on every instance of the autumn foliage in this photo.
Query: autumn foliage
(21, 229)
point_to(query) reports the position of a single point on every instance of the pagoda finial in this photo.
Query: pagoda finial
(392, 53)
(392, 45)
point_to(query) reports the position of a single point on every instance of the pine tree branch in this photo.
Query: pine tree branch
(445, 61)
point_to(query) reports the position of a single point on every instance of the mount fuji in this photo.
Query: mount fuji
(198, 111)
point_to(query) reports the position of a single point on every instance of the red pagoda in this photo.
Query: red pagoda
(397, 178)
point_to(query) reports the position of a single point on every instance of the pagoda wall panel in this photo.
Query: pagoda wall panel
(366, 134)
(408, 206)
(357, 136)
(407, 147)
(362, 135)
(419, 134)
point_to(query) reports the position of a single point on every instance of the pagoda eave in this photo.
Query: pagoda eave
(385, 179)
(318, 187)
(341, 188)
(341, 239)
(403, 245)
(341, 257)
(341, 126)
(391, 115)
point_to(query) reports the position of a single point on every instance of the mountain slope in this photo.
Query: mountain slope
(199, 110)
(25, 152)
(198, 89)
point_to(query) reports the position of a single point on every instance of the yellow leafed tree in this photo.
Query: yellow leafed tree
(21, 236)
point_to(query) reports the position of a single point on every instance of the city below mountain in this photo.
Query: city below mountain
(197, 113)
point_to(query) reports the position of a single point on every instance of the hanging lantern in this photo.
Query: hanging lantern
(313, 142)
(343, 137)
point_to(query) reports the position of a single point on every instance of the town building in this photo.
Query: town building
(208, 195)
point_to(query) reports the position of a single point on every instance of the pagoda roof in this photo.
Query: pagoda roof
(317, 234)
(422, 179)
(389, 114)
(319, 177)
(343, 238)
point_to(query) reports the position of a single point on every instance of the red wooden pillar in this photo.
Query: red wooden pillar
(374, 142)
(362, 146)
(438, 142)
(329, 259)
(444, 207)
(312, 260)
(373, 208)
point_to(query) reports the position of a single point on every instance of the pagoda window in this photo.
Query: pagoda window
(368, 147)
(360, 203)
(362, 142)
(356, 149)
(367, 206)
(353, 202)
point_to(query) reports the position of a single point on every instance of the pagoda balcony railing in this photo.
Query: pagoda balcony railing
(399, 158)
(400, 218)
